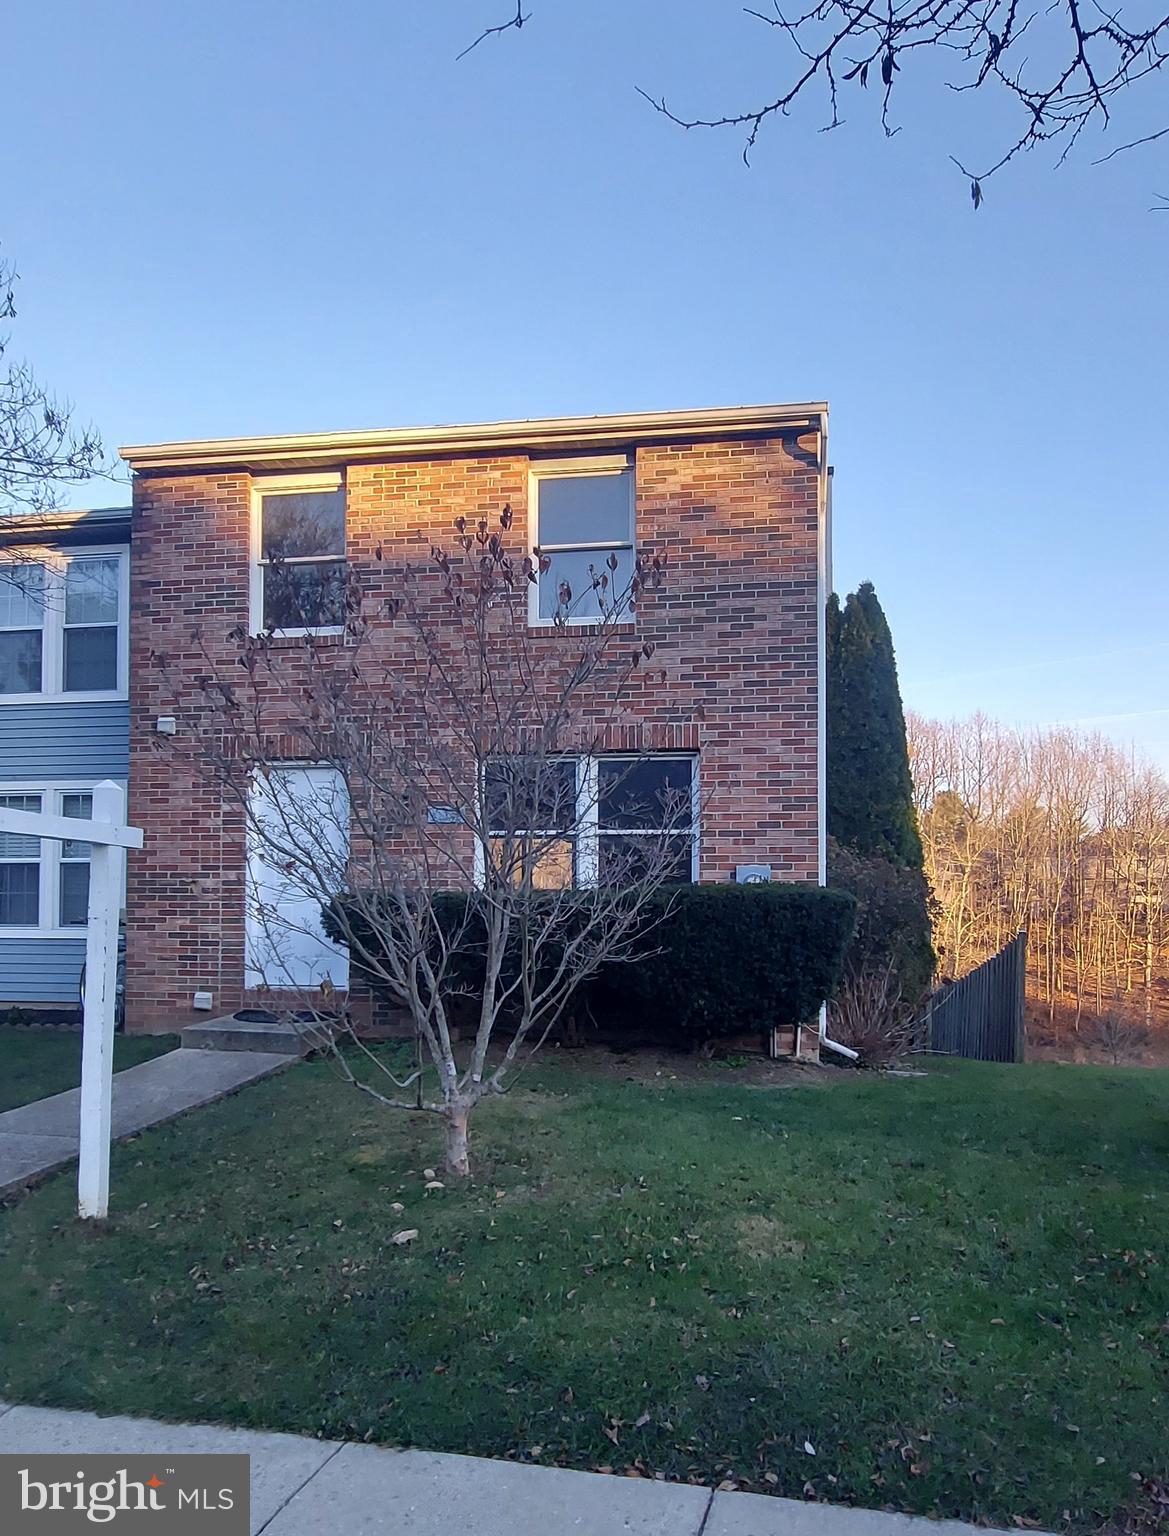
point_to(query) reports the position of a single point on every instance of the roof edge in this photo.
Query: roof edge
(299, 450)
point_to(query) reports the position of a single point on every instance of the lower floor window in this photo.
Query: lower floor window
(565, 821)
(73, 866)
(44, 883)
(20, 869)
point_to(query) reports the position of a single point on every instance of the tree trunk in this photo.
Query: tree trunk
(457, 1159)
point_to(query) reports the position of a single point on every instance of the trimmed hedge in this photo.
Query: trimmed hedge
(731, 959)
(724, 960)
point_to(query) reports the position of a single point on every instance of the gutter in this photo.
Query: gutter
(547, 434)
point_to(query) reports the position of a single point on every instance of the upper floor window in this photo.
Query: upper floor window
(63, 630)
(583, 522)
(298, 538)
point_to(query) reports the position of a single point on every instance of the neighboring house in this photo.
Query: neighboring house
(64, 726)
(736, 498)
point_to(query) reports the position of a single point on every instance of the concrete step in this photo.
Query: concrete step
(231, 1034)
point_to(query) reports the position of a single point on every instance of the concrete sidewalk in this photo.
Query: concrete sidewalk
(303, 1487)
(38, 1137)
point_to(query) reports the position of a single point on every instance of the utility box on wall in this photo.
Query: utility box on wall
(752, 874)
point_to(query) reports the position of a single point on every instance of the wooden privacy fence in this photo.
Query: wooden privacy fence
(981, 1016)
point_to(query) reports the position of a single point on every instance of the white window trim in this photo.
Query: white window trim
(288, 485)
(55, 562)
(587, 832)
(49, 901)
(554, 469)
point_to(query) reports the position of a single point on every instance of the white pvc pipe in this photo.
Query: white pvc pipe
(843, 1050)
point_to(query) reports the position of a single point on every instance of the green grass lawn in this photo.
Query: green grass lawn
(954, 1289)
(35, 1063)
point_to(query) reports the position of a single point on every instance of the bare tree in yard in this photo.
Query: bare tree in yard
(1063, 67)
(465, 751)
(40, 448)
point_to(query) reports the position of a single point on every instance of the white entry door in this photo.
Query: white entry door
(297, 852)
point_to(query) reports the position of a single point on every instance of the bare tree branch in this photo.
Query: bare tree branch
(1121, 149)
(516, 22)
(40, 448)
(1064, 65)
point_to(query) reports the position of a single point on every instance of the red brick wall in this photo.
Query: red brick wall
(733, 674)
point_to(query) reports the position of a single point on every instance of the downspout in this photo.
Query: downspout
(823, 588)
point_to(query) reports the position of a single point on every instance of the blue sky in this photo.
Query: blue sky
(281, 217)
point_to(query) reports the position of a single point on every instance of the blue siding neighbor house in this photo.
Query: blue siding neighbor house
(64, 725)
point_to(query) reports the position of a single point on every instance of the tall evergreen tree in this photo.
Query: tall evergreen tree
(870, 793)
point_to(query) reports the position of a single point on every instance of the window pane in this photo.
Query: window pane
(304, 596)
(91, 660)
(80, 806)
(74, 895)
(572, 566)
(20, 661)
(528, 794)
(91, 591)
(551, 863)
(22, 600)
(20, 886)
(15, 845)
(644, 792)
(306, 523)
(586, 509)
(626, 860)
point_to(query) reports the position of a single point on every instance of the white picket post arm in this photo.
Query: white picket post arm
(108, 837)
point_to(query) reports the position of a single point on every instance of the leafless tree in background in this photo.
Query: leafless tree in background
(1063, 66)
(466, 753)
(40, 448)
(1062, 834)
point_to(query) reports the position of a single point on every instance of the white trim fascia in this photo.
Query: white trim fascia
(531, 435)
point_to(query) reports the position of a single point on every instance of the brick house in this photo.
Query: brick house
(737, 497)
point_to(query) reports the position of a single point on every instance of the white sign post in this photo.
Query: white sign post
(108, 837)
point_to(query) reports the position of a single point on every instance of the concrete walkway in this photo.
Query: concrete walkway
(38, 1137)
(303, 1487)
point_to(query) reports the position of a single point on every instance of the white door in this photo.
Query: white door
(298, 845)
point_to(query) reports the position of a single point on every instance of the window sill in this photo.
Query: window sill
(43, 933)
(582, 626)
(98, 696)
(297, 636)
